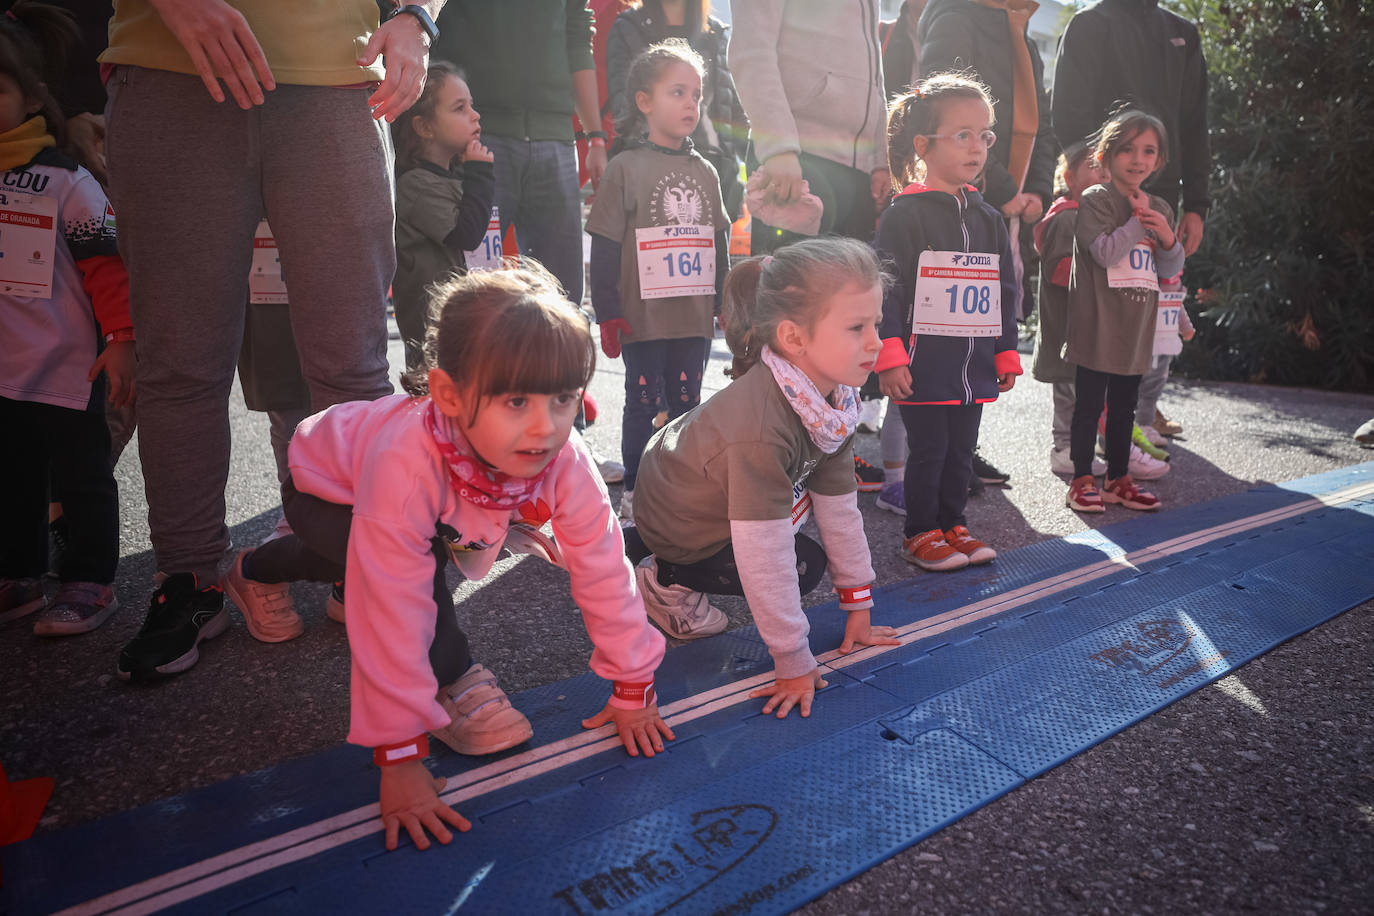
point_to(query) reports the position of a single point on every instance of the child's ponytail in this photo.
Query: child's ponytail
(736, 314)
(35, 39)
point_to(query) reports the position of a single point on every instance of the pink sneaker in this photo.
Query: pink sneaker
(1124, 491)
(266, 608)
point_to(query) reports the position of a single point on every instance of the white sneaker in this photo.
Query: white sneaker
(870, 415)
(677, 609)
(1154, 436)
(1143, 467)
(627, 505)
(1062, 463)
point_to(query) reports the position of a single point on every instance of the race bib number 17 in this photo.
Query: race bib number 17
(958, 294)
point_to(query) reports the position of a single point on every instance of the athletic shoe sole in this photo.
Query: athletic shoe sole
(1113, 499)
(890, 507)
(215, 627)
(982, 556)
(1085, 508)
(948, 564)
(23, 610)
(75, 627)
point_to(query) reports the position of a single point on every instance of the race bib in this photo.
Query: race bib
(676, 261)
(28, 238)
(1136, 270)
(265, 283)
(801, 505)
(958, 294)
(487, 255)
(1167, 341)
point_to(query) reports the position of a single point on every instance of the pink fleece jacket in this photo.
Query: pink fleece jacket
(378, 457)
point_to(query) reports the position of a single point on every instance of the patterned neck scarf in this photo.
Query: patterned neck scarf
(829, 425)
(471, 478)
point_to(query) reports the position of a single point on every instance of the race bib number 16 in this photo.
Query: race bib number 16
(958, 294)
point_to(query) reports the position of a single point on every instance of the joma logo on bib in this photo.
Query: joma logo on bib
(972, 260)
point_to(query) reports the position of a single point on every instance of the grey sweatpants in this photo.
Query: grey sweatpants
(189, 180)
(1063, 414)
(1151, 387)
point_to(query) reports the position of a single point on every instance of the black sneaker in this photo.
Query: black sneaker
(179, 617)
(985, 472)
(869, 478)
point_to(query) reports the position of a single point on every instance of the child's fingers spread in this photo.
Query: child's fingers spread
(393, 826)
(453, 818)
(436, 827)
(417, 832)
(664, 730)
(627, 738)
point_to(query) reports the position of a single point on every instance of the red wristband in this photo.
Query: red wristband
(855, 595)
(124, 334)
(391, 754)
(642, 695)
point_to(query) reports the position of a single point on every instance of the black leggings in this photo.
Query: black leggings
(718, 574)
(1120, 392)
(316, 551)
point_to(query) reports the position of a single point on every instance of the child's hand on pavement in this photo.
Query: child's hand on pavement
(639, 729)
(895, 382)
(786, 692)
(859, 632)
(476, 152)
(118, 363)
(410, 799)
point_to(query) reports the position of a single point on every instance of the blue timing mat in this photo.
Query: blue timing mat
(1005, 672)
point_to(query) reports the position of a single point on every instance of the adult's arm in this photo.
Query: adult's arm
(1078, 68)
(622, 44)
(1045, 152)
(1192, 127)
(404, 47)
(221, 46)
(753, 58)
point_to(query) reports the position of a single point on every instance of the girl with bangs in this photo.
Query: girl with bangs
(478, 455)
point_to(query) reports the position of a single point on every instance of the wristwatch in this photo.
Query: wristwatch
(422, 16)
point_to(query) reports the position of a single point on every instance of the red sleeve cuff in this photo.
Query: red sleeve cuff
(855, 599)
(892, 355)
(625, 695)
(1062, 272)
(388, 755)
(106, 282)
(1008, 362)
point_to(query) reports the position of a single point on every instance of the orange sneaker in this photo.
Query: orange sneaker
(1124, 491)
(929, 550)
(977, 552)
(1084, 495)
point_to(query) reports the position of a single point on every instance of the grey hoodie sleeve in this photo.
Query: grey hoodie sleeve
(766, 556)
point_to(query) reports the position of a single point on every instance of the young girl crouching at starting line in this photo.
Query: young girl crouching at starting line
(381, 493)
(724, 488)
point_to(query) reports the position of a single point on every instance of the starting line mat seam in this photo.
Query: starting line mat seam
(999, 677)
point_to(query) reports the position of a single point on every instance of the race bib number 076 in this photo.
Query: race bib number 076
(1136, 270)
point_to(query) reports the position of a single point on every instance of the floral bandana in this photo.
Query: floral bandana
(474, 481)
(828, 425)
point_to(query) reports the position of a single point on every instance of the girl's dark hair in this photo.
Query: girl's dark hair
(1071, 158)
(503, 331)
(35, 39)
(793, 283)
(644, 75)
(696, 18)
(403, 135)
(1123, 126)
(916, 113)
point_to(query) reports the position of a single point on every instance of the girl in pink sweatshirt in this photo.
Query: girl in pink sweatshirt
(479, 456)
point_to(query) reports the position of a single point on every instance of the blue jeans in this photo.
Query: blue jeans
(536, 189)
(674, 367)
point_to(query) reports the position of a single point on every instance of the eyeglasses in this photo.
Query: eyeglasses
(967, 138)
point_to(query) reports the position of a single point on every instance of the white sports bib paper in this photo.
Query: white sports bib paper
(1167, 341)
(28, 238)
(1136, 270)
(801, 505)
(487, 255)
(265, 283)
(676, 261)
(958, 294)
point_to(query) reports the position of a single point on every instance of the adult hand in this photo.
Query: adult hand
(1015, 206)
(404, 47)
(1034, 208)
(784, 173)
(476, 152)
(880, 186)
(611, 330)
(859, 632)
(895, 382)
(410, 799)
(786, 692)
(1006, 381)
(596, 164)
(86, 131)
(1190, 232)
(118, 363)
(222, 47)
(639, 729)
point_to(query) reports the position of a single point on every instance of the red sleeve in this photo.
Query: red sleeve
(106, 282)
(892, 354)
(1062, 272)
(1008, 362)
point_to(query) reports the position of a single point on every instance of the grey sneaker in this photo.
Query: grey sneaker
(676, 609)
(19, 598)
(78, 607)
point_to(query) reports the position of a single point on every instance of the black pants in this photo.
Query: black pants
(718, 574)
(847, 196)
(316, 551)
(940, 440)
(73, 447)
(1120, 392)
